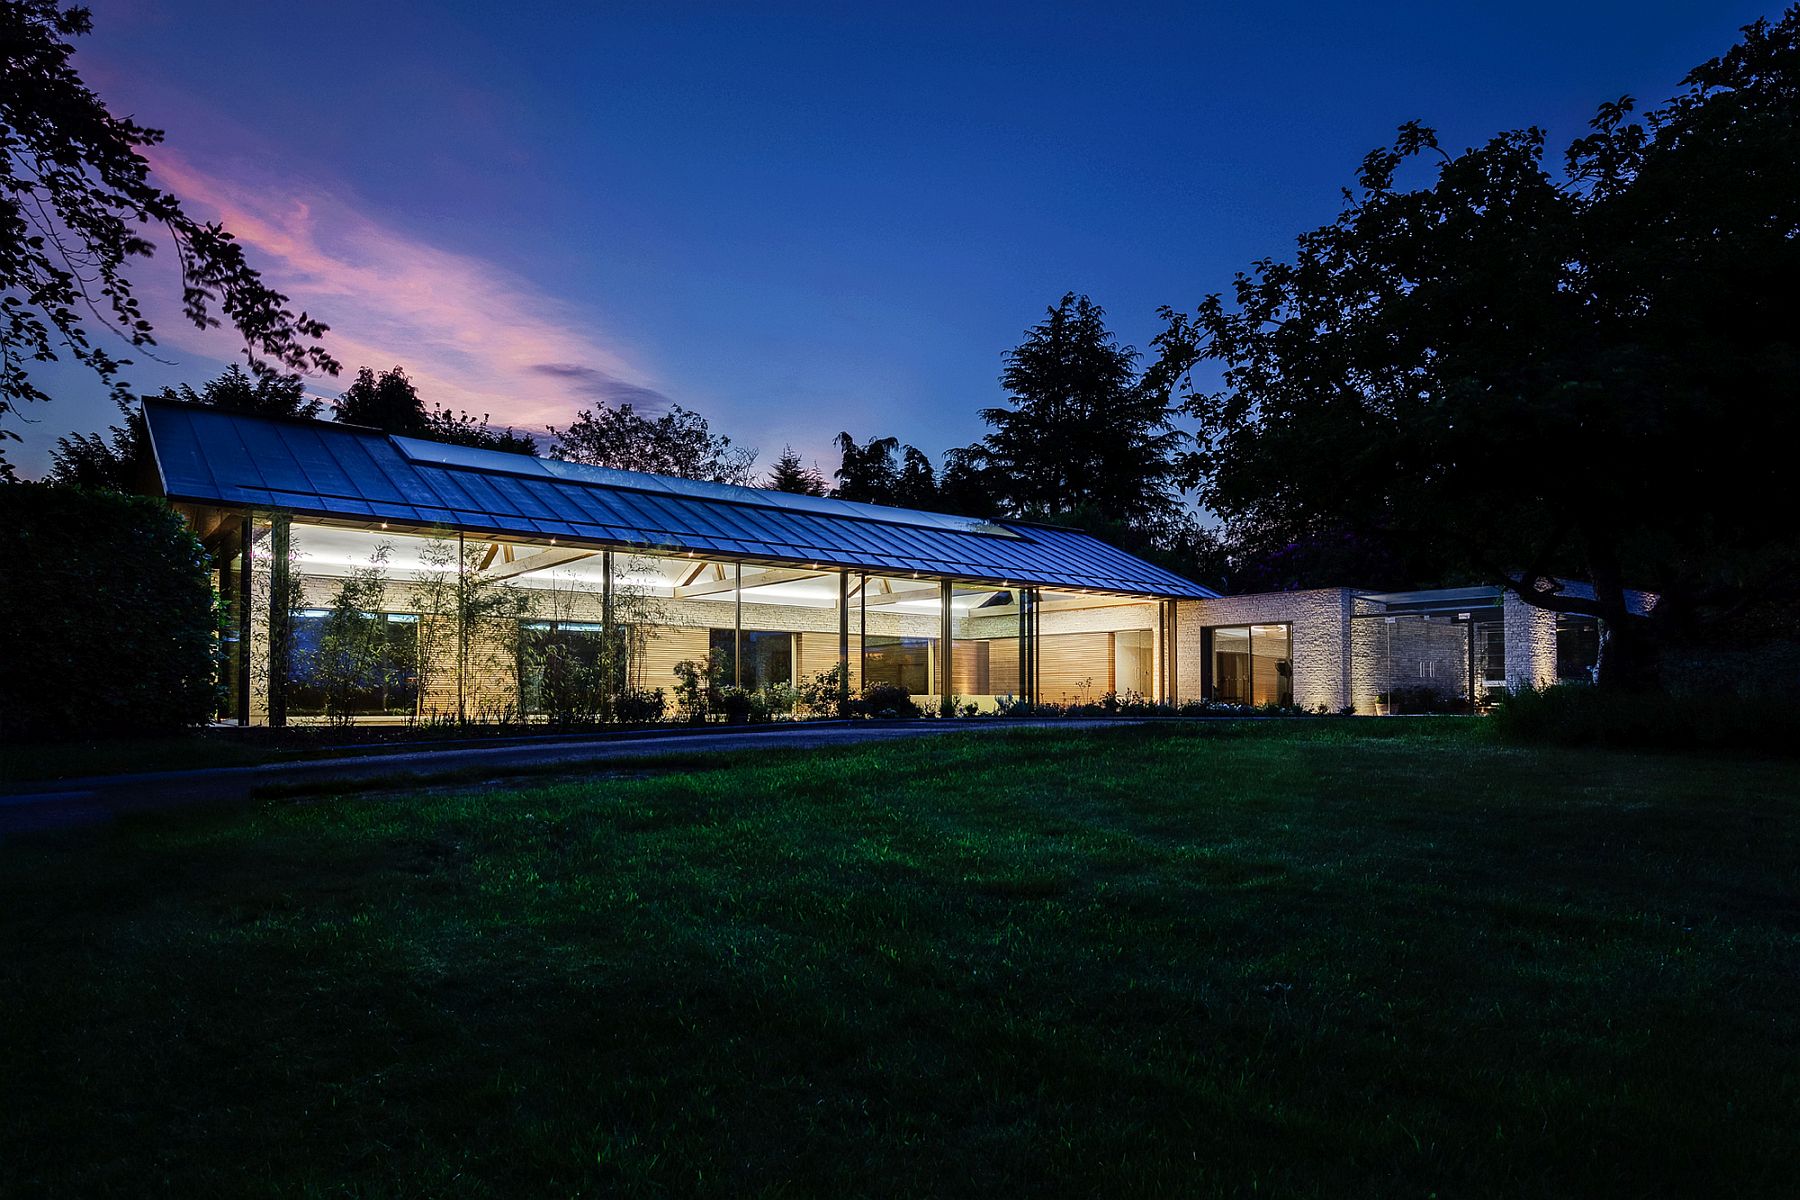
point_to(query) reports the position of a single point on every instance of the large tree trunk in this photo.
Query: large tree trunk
(1629, 661)
(1629, 657)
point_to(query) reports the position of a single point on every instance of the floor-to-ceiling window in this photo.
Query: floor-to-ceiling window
(1250, 665)
(984, 653)
(1091, 645)
(901, 618)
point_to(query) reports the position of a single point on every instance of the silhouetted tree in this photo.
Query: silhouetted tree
(260, 393)
(790, 474)
(465, 429)
(678, 443)
(1533, 376)
(76, 200)
(1082, 430)
(917, 484)
(118, 459)
(391, 402)
(867, 472)
(965, 486)
(388, 401)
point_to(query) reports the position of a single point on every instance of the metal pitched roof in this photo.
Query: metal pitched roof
(318, 468)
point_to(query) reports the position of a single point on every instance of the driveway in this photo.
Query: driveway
(96, 799)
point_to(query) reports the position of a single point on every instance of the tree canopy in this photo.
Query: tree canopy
(1082, 429)
(1529, 373)
(390, 402)
(883, 471)
(118, 459)
(790, 474)
(678, 443)
(75, 199)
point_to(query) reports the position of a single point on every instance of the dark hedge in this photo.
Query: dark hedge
(107, 615)
(1582, 715)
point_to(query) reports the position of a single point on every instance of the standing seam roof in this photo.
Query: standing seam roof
(317, 468)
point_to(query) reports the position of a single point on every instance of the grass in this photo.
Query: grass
(1314, 960)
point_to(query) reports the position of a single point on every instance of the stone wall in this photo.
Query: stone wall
(1530, 644)
(1319, 623)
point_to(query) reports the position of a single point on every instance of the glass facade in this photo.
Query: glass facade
(1090, 646)
(1250, 665)
(375, 624)
(352, 663)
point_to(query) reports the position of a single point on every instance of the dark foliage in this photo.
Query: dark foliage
(390, 402)
(1083, 430)
(120, 460)
(1520, 373)
(790, 474)
(1578, 715)
(679, 443)
(107, 615)
(75, 202)
(867, 473)
(885, 701)
(641, 706)
(1265, 559)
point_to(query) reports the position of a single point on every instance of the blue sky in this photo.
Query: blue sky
(796, 219)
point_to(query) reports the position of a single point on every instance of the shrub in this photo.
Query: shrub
(780, 699)
(108, 619)
(641, 706)
(1418, 701)
(742, 707)
(888, 701)
(1582, 715)
(698, 685)
(820, 695)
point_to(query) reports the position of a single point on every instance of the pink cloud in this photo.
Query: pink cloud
(472, 335)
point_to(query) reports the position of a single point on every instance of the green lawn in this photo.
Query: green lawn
(1312, 959)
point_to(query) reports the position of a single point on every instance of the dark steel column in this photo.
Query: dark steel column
(843, 642)
(1028, 657)
(281, 615)
(947, 634)
(737, 625)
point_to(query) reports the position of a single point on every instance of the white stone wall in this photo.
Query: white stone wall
(1530, 644)
(1319, 623)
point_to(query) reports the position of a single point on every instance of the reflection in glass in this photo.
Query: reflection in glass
(1231, 665)
(1271, 672)
(1252, 665)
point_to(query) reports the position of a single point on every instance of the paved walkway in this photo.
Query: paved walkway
(99, 798)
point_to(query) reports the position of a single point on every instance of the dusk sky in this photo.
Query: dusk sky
(793, 219)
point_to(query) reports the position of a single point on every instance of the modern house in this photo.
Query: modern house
(477, 557)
